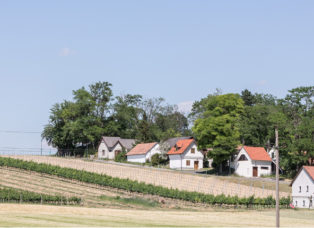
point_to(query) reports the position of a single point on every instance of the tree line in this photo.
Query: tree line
(219, 121)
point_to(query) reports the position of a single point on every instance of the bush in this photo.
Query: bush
(156, 159)
(121, 157)
(17, 195)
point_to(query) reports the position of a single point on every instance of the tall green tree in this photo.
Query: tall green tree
(217, 126)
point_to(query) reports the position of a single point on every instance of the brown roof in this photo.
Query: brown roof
(180, 147)
(310, 171)
(141, 148)
(257, 153)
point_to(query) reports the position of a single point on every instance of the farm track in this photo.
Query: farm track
(170, 179)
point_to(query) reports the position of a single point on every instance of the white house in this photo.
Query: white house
(252, 162)
(109, 147)
(185, 155)
(303, 188)
(142, 152)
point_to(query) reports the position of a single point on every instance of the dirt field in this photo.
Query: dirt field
(182, 181)
(91, 195)
(57, 216)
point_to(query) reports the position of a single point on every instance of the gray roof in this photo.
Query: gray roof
(172, 141)
(127, 143)
(112, 141)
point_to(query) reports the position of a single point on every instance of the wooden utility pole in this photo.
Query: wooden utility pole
(277, 179)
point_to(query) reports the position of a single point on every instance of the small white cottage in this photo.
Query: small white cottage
(109, 147)
(303, 188)
(252, 162)
(143, 152)
(184, 155)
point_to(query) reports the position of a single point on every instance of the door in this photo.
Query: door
(116, 152)
(195, 165)
(255, 172)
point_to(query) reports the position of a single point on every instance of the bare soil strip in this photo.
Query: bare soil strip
(181, 181)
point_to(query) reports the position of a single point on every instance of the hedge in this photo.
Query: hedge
(140, 187)
(17, 195)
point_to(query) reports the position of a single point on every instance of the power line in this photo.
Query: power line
(20, 132)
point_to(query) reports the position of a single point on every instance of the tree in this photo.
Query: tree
(248, 98)
(79, 123)
(217, 126)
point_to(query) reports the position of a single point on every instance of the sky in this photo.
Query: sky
(177, 49)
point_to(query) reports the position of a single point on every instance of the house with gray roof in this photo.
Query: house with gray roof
(109, 147)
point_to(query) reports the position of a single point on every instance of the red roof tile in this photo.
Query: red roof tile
(180, 146)
(141, 148)
(257, 153)
(309, 170)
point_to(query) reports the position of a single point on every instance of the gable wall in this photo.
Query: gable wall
(303, 180)
(245, 168)
(176, 161)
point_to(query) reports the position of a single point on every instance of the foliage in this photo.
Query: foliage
(121, 157)
(217, 125)
(135, 186)
(17, 195)
(94, 112)
(157, 159)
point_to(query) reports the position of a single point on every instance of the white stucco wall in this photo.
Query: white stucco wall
(245, 168)
(177, 161)
(104, 152)
(302, 199)
(141, 158)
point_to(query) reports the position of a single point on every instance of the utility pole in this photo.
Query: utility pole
(277, 179)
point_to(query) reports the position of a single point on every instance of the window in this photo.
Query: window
(272, 155)
(264, 167)
(307, 188)
(296, 203)
(193, 151)
(103, 152)
(300, 189)
(242, 158)
(188, 162)
(303, 203)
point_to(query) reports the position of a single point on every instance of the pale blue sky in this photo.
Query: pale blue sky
(179, 50)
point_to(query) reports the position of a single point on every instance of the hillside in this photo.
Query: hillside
(166, 178)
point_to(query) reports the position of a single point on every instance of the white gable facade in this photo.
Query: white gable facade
(244, 166)
(192, 158)
(108, 153)
(303, 190)
(142, 158)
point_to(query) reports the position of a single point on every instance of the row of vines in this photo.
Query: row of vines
(140, 187)
(17, 195)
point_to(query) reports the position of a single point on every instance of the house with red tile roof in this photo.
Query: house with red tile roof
(303, 188)
(143, 152)
(252, 162)
(185, 155)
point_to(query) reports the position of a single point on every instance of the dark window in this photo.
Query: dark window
(264, 167)
(272, 155)
(242, 158)
(303, 203)
(307, 188)
(187, 162)
(193, 151)
(300, 188)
